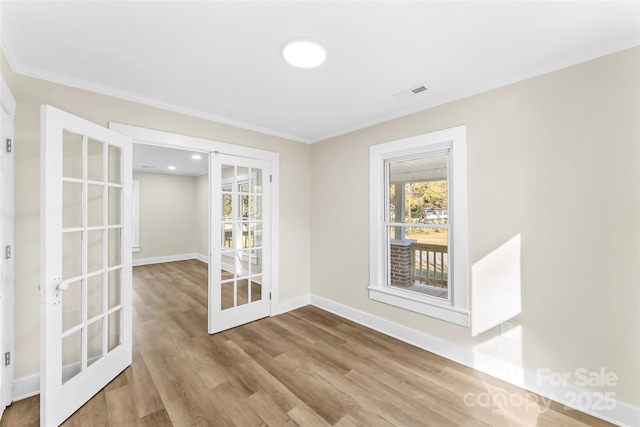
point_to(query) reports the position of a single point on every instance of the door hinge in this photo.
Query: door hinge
(7, 358)
(270, 178)
(7, 252)
(8, 146)
(269, 295)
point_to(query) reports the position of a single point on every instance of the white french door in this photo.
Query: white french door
(86, 261)
(240, 244)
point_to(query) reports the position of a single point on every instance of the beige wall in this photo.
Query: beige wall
(202, 215)
(168, 213)
(30, 93)
(553, 160)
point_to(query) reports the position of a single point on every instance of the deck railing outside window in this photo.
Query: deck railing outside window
(429, 264)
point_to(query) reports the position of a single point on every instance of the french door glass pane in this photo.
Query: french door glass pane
(257, 206)
(227, 172)
(242, 173)
(114, 246)
(94, 341)
(115, 291)
(226, 274)
(115, 197)
(71, 204)
(71, 255)
(256, 288)
(256, 181)
(115, 332)
(115, 167)
(71, 155)
(227, 206)
(243, 292)
(71, 355)
(95, 165)
(95, 205)
(245, 207)
(227, 290)
(257, 234)
(227, 236)
(94, 250)
(95, 294)
(246, 239)
(256, 261)
(72, 306)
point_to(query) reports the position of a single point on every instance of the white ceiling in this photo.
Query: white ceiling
(155, 159)
(221, 60)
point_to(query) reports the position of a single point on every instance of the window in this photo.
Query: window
(418, 234)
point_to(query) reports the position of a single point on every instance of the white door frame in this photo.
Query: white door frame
(185, 142)
(6, 239)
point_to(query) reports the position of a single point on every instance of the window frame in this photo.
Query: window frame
(455, 309)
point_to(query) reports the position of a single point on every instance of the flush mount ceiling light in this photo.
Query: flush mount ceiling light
(304, 52)
(171, 168)
(196, 156)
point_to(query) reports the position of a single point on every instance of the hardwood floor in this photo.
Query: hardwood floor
(306, 367)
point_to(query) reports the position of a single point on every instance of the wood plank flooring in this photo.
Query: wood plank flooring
(306, 367)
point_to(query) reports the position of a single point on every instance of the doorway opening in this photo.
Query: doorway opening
(235, 221)
(171, 223)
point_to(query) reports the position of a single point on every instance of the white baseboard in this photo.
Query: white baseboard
(30, 386)
(622, 414)
(161, 259)
(25, 387)
(292, 304)
(203, 258)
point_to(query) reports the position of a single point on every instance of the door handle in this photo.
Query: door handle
(57, 293)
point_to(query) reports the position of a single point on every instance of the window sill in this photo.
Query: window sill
(430, 306)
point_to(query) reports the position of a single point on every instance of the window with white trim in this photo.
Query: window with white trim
(418, 208)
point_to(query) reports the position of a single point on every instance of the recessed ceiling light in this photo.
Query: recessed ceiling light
(304, 52)
(171, 168)
(196, 157)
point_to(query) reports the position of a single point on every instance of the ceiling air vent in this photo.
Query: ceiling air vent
(406, 94)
